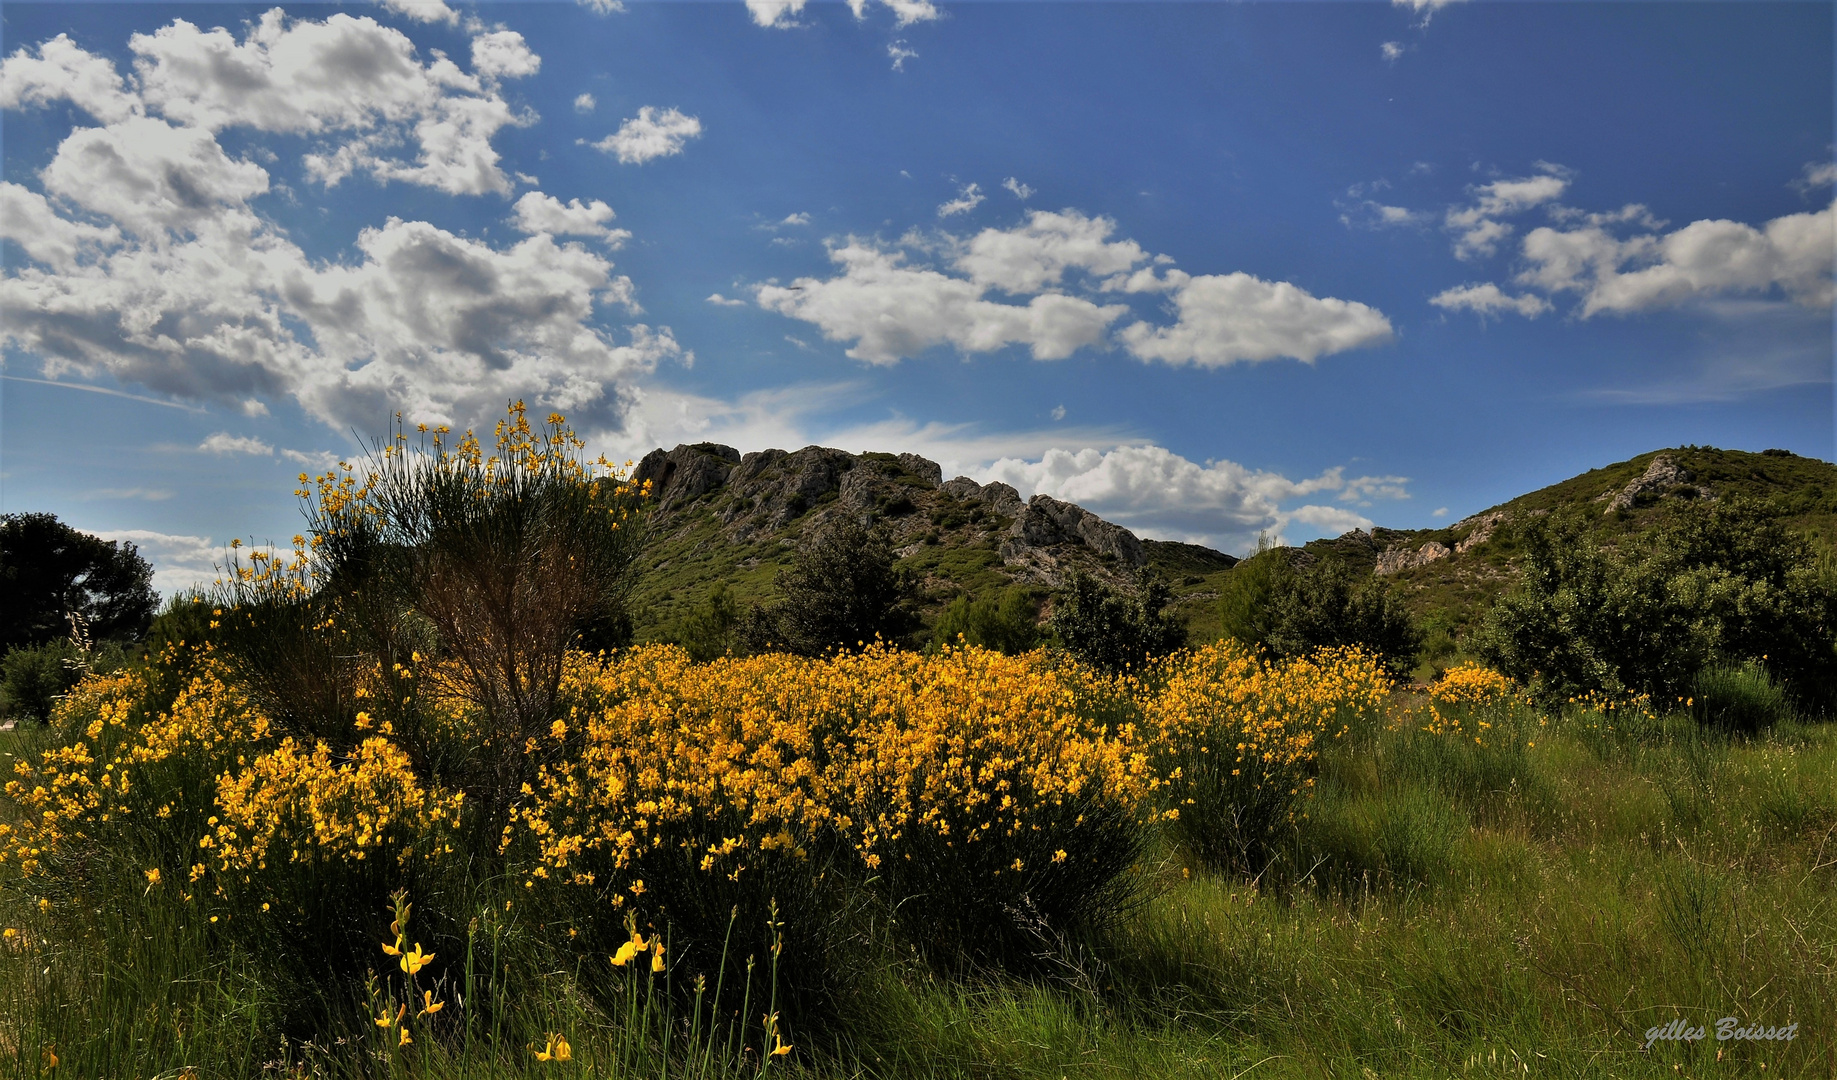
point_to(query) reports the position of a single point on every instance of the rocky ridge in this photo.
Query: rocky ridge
(761, 495)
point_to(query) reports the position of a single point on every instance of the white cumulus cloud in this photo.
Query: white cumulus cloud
(352, 82)
(535, 212)
(1037, 254)
(146, 257)
(27, 219)
(892, 310)
(1703, 259)
(1817, 174)
(1625, 261)
(584, 103)
(775, 13)
(503, 54)
(1488, 299)
(650, 135)
(1229, 318)
(424, 10)
(64, 71)
(1160, 494)
(969, 197)
(223, 442)
(1020, 191)
(1478, 227)
(1424, 9)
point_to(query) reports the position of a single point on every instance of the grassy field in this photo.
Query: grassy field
(1469, 892)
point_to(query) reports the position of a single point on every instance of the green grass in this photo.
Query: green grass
(1526, 906)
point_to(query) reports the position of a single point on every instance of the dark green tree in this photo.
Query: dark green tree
(1268, 601)
(841, 591)
(1324, 606)
(707, 632)
(1722, 583)
(1114, 630)
(48, 570)
(1246, 600)
(1005, 622)
(32, 677)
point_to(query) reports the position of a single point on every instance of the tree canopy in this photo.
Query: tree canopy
(841, 591)
(1724, 583)
(48, 570)
(1291, 611)
(1113, 630)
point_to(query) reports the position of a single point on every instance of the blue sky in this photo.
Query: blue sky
(1208, 269)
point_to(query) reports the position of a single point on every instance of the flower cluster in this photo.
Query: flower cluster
(1238, 738)
(776, 753)
(1471, 684)
(655, 752)
(124, 765)
(1464, 703)
(318, 807)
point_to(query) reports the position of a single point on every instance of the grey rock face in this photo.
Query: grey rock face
(1039, 541)
(1046, 521)
(923, 468)
(1396, 560)
(687, 472)
(1483, 528)
(961, 488)
(1662, 473)
(1002, 499)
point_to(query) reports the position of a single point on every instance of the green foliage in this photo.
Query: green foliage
(1322, 606)
(1112, 630)
(498, 565)
(1269, 602)
(1246, 601)
(1739, 698)
(32, 677)
(1723, 582)
(841, 591)
(48, 570)
(707, 631)
(1006, 622)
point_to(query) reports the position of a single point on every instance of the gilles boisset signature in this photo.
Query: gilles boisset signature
(1727, 1028)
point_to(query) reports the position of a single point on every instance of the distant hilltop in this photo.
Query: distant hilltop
(733, 518)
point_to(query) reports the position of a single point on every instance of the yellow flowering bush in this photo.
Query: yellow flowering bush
(316, 807)
(992, 806)
(1466, 703)
(695, 794)
(122, 767)
(977, 785)
(1238, 738)
(1471, 684)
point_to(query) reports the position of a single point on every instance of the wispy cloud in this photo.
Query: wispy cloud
(88, 389)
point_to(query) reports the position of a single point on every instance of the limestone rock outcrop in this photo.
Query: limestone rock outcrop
(1660, 476)
(754, 496)
(1483, 528)
(1047, 522)
(1396, 560)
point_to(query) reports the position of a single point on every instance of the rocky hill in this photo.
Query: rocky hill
(735, 519)
(732, 518)
(1450, 575)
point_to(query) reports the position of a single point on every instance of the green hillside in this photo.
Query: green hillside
(735, 520)
(1614, 501)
